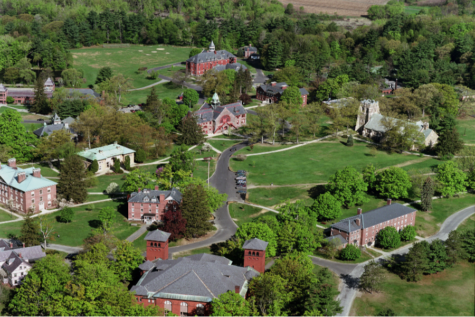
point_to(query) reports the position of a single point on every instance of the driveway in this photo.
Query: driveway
(260, 77)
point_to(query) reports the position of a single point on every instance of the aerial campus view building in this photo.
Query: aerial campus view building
(150, 205)
(105, 156)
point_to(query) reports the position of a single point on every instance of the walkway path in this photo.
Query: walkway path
(64, 248)
(134, 236)
(163, 81)
(262, 207)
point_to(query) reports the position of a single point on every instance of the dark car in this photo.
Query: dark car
(241, 186)
(40, 119)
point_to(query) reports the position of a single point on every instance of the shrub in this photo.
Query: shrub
(153, 74)
(66, 215)
(141, 69)
(94, 167)
(349, 142)
(117, 166)
(241, 157)
(10, 100)
(113, 188)
(90, 207)
(408, 233)
(127, 163)
(388, 238)
(140, 156)
(350, 252)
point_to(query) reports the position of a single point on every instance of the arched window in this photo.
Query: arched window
(159, 245)
(249, 253)
(253, 253)
(257, 253)
(183, 309)
(168, 305)
(200, 310)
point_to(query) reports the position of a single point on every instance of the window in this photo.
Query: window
(49, 190)
(21, 273)
(32, 201)
(41, 192)
(41, 198)
(14, 275)
(168, 305)
(200, 310)
(183, 309)
(32, 194)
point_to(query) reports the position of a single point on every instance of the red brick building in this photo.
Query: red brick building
(363, 228)
(255, 254)
(150, 205)
(197, 65)
(188, 285)
(249, 50)
(24, 95)
(157, 245)
(272, 92)
(26, 189)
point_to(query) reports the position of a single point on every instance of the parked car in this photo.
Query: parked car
(241, 177)
(40, 119)
(241, 186)
(242, 171)
(241, 182)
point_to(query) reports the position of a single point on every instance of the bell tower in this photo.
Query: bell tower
(211, 47)
(215, 101)
(157, 245)
(255, 254)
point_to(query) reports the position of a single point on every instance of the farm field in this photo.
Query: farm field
(341, 7)
(127, 61)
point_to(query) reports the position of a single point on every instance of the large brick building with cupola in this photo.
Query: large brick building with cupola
(197, 65)
(25, 189)
(272, 92)
(188, 285)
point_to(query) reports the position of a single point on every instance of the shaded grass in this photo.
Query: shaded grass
(97, 197)
(105, 180)
(468, 224)
(427, 166)
(449, 293)
(363, 258)
(241, 213)
(32, 126)
(272, 196)
(223, 145)
(201, 169)
(466, 129)
(84, 222)
(210, 153)
(46, 171)
(140, 243)
(166, 90)
(414, 9)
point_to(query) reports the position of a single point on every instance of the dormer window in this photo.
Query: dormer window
(145, 199)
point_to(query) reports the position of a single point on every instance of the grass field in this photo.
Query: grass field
(201, 169)
(241, 213)
(166, 90)
(5, 216)
(84, 222)
(127, 61)
(32, 126)
(261, 148)
(46, 171)
(426, 166)
(105, 180)
(313, 163)
(468, 224)
(268, 196)
(414, 9)
(428, 223)
(97, 197)
(222, 145)
(466, 129)
(449, 293)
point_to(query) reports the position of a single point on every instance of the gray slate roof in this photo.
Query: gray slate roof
(207, 113)
(29, 253)
(49, 129)
(87, 92)
(147, 265)
(278, 88)
(339, 237)
(198, 278)
(255, 244)
(147, 195)
(26, 92)
(250, 49)
(157, 235)
(234, 66)
(69, 120)
(208, 56)
(375, 124)
(373, 217)
(13, 262)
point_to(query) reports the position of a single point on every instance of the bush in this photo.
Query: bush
(127, 163)
(141, 69)
(241, 157)
(113, 188)
(350, 142)
(10, 100)
(94, 167)
(66, 215)
(117, 166)
(153, 74)
(350, 252)
(140, 156)
(90, 207)
(408, 233)
(388, 238)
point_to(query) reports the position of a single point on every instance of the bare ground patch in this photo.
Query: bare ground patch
(190, 241)
(341, 7)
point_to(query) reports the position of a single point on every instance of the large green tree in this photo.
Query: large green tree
(191, 132)
(292, 96)
(105, 73)
(438, 259)
(40, 102)
(251, 230)
(388, 238)
(427, 194)
(138, 179)
(373, 277)
(127, 259)
(451, 178)
(30, 231)
(195, 210)
(416, 262)
(190, 97)
(449, 143)
(14, 136)
(327, 207)
(393, 182)
(454, 247)
(270, 293)
(71, 184)
(408, 233)
(348, 187)
(231, 304)
(182, 159)
(321, 296)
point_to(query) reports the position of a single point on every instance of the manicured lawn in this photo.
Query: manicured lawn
(269, 196)
(32, 126)
(363, 258)
(466, 129)
(427, 166)
(313, 163)
(449, 293)
(21, 107)
(403, 243)
(191, 252)
(241, 213)
(149, 168)
(166, 90)
(84, 222)
(250, 65)
(468, 224)
(222, 145)
(414, 9)
(105, 180)
(170, 71)
(46, 171)
(140, 243)
(201, 169)
(428, 223)
(210, 153)
(5, 216)
(261, 148)
(127, 61)
(97, 197)
(225, 136)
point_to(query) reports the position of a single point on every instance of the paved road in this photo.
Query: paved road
(260, 78)
(64, 248)
(134, 236)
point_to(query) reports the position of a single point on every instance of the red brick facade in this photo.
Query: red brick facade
(255, 259)
(199, 69)
(24, 95)
(177, 307)
(157, 250)
(150, 211)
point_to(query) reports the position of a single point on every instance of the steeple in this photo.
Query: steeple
(56, 119)
(211, 47)
(215, 101)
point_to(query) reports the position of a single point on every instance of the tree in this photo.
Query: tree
(11, 74)
(182, 159)
(408, 233)
(454, 247)
(427, 194)
(321, 296)
(393, 183)
(449, 143)
(195, 210)
(105, 73)
(289, 9)
(174, 223)
(24, 70)
(468, 244)
(327, 207)
(195, 51)
(231, 304)
(72, 77)
(138, 179)
(141, 156)
(127, 259)
(117, 166)
(46, 229)
(437, 257)
(388, 238)
(251, 230)
(350, 252)
(190, 97)
(94, 167)
(451, 178)
(349, 142)
(107, 216)
(52, 146)
(269, 291)
(127, 163)
(416, 262)
(15, 138)
(291, 75)
(30, 231)
(67, 214)
(372, 278)
(369, 176)
(40, 102)
(71, 185)
(332, 248)
(292, 96)
(191, 132)
(402, 135)
(10, 100)
(299, 237)
(348, 187)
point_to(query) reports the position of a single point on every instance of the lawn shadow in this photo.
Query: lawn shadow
(316, 191)
(95, 223)
(350, 281)
(123, 209)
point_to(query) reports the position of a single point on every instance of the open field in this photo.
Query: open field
(46, 171)
(83, 223)
(222, 145)
(270, 196)
(5, 216)
(166, 90)
(127, 61)
(105, 180)
(468, 224)
(201, 169)
(241, 213)
(449, 293)
(466, 129)
(341, 7)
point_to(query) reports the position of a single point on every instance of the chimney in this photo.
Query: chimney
(284, 87)
(273, 83)
(21, 177)
(237, 289)
(37, 172)
(388, 201)
(12, 163)
(156, 187)
(360, 211)
(115, 142)
(425, 125)
(11, 245)
(140, 189)
(214, 52)
(162, 198)
(66, 125)
(23, 244)
(19, 255)
(358, 222)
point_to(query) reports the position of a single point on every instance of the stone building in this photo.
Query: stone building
(105, 156)
(271, 93)
(25, 189)
(363, 228)
(197, 65)
(215, 118)
(56, 125)
(150, 205)
(188, 285)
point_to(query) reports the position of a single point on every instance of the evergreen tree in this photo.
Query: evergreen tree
(174, 223)
(71, 183)
(427, 194)
(152, 100)
(468, 244)
(71, 30)
(416, 262)
(191, 132)
(454, 247)
(30, 231)
(117, 166)
(372, 278)
(449, 143)
(140, 156)
(40, 103)
(105, 73)
(274, 55)
(127, 163)
(437, 257)
(94, 167)
(350, 142)
(195, 210)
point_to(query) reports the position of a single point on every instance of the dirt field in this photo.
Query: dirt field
(341, 7)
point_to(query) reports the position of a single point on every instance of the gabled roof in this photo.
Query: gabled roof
(85, 91)
(250, 49)
(376, 124)
(147, 195)
(147, 265)
(234, 66)
(29, 253)
(207, 113)
(157, 235)
(103, 152)
(13, 262)
(339, 237)
(2, 88)
(373, 217)
(208, 56)
(255, 244)
(49, 82)
(26, 92)
(279, 88)
(69, 120)
(56, 117)
(10, 176)
(49, 129)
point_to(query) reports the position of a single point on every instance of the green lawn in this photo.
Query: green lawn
(46, 171)
(363, 258)
(170, 70)
(127, 61)
(414, 9)
(449, 293)
(97, 197)
(272, 196)
(241, 213)
(105, 180)
(261, 148)
(466, 129)
(21, 107)
(201, 169)
(428, 223)
(5, 216)
(166, 90)
(32, 126)
(313, 163)
(140, 243)
(468, 224)
(427, 166)
(191, 252)
(210, 153)
(250, 65)
(222, 145)
(149, 168)
(84, 222)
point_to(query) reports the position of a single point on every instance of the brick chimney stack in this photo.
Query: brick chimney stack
(156, 187)
(12, 163)
(360, 211)
(37, 172)
(11, 245)
(23, 244)
(237, 289)
(273, 83)
(139, 190)
(21, 177)
(388, 201)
